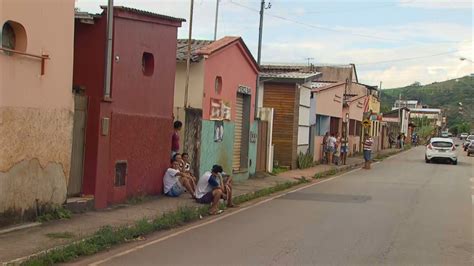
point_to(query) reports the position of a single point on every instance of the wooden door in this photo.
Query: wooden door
(262, 147)
(78, 146)
(192, 138)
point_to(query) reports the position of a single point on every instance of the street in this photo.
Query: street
(403, 211)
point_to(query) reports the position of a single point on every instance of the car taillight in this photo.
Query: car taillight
(430, 147)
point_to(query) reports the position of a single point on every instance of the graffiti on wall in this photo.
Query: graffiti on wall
(220, 110)
(218, 131)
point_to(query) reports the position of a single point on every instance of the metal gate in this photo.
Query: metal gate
(238, 132)
(262, 148)
(192, 138)
(78, 146)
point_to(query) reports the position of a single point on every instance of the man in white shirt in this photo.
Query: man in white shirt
(211, 188)
(175, 181)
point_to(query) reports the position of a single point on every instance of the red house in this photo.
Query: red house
(127, 135)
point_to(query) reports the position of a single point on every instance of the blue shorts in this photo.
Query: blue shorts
(367, 155)
(331, 149)
(344, 149)
(176, 190)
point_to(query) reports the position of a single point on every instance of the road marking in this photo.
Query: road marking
(214, 220)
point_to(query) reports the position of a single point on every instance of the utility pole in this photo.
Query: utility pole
(217, 16)
(108, 49)
(260, 29)
(399, 111)
(309, 60)
(188, 59)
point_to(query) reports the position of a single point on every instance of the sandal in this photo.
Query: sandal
(215, 212)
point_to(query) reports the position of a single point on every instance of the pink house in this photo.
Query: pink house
(218, 107)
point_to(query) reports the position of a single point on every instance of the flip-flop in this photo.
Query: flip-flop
(216, 212)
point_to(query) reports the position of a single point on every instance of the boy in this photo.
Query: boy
(175, 181)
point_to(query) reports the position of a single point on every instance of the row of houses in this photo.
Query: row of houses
(64, 136)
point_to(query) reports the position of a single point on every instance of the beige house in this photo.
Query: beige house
(36, 104)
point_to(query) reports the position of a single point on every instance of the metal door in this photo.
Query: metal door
(192, 137)
(238, 132)
(78, 146)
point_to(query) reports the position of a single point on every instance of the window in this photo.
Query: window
(218, 84)
(120, 173)
(13, 37)
(148, 64)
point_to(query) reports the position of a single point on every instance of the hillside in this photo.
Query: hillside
(445, 95)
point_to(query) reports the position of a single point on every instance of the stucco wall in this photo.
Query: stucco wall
(195, 89)
(221, 152)
(35, 157)
(36, 112)
(216, 152)
(329, 101)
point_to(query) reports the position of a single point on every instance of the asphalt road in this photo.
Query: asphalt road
(403, 211)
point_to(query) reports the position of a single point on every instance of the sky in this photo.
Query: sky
(396, 42)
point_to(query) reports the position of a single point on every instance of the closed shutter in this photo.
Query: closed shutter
(238, 132)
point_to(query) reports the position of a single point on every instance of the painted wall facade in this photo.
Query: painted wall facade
(329, 101)
(140, 111)
(36, 111)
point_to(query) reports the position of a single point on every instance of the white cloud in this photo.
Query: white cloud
(437, 4)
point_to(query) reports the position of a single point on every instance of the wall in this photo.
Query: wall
(232, 65)
(236, 69)
(304, 119)
(374, 104)
(140, 110)
(329, 101)
(195, 89)
(36, 112)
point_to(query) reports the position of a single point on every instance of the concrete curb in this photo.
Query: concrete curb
(19, 227)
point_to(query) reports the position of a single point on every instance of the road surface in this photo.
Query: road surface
(403, 211)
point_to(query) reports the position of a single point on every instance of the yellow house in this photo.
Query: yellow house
(36, 103)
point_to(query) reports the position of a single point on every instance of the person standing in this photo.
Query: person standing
(175, 137)
(344, 148)
(331, 144)
(367, 151)
(325, 147)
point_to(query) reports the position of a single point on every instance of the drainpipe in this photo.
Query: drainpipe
(108, 50)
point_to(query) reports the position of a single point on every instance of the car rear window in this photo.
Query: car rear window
(442, 144)
(471, 137)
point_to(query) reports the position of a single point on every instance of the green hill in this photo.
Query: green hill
(445, 95)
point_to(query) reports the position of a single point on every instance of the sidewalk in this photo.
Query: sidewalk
(29, 241)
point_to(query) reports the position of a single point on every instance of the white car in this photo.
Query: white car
(463, 136)
(441, 149)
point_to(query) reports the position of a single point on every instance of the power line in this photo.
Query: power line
(335, 30)
(407, 59)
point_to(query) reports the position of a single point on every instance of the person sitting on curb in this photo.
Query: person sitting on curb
(175, 181)
(182, 166)
(211, 188)
(367, 151)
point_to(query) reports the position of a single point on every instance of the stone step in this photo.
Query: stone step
(80, 204)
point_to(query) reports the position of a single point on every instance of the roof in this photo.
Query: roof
(425, 110)
(196, 45)
(145, 13)
(329, 86)
(201, 48)
(295, 76)
(328, 72)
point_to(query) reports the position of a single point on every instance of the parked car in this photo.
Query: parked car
(470, 148)
(444, 134)
(467, 142)
(463, 136)
(441, 149)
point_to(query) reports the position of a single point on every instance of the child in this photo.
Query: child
(187, 166)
